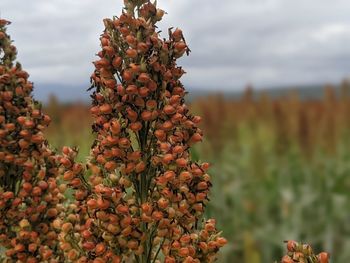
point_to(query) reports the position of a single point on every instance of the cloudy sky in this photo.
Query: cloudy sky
(268, 43)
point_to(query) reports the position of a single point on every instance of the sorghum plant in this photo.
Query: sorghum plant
(29, 195)
(303, 253)
(143, 199)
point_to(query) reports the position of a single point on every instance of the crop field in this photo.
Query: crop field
(151, 171)
(280, 168)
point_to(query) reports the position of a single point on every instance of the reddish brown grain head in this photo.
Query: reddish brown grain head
(144, 193)
(29, 194)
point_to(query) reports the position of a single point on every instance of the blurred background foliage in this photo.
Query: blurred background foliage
(280, 167)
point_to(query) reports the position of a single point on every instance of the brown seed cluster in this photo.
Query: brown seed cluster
(303, 253)
(140, 196)
(29, 194)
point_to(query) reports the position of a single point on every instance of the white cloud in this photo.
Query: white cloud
(332, 31)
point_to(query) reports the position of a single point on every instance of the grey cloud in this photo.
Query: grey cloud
(264, 42)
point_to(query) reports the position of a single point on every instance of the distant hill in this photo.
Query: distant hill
(312, 92)
(69, 94)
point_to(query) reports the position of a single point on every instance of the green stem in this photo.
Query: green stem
(160, 247)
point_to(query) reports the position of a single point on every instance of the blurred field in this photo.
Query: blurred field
(280, 169)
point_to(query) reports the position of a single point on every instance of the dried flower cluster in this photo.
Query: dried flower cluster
(144, 199)
(29, 194)
(302, 253)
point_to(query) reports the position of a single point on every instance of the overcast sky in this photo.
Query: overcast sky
(266, 43)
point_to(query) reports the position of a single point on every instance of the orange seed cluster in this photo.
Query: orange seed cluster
(144, 196)
(29, 193)
(303, 253)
